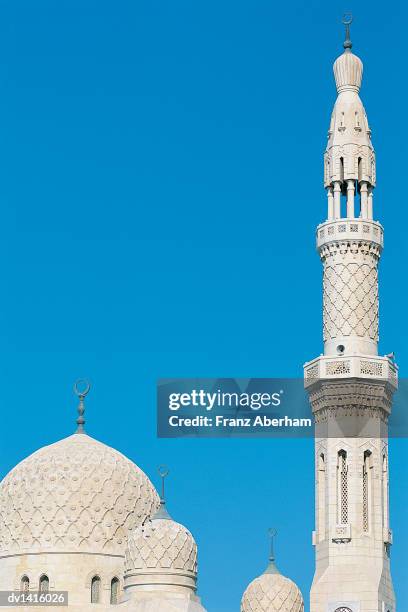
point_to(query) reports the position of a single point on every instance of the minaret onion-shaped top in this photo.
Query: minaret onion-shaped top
(348, 68)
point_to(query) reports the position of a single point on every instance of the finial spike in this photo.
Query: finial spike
(347, 21)
(272, 569)
(81, 389)
(163, 471)
(272, 534)
(162, 513)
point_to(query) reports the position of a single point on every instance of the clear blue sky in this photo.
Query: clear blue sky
(160, 184)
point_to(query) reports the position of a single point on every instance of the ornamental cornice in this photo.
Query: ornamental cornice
(357, 398)
(353, 247)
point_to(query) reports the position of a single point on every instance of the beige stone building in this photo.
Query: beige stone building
(78, 516)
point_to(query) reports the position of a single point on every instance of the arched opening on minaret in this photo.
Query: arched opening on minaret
(362, 212)
(367, 490)
(342, 488)
(321, 527)
(360, 169)
(385, 486)
(343, 190)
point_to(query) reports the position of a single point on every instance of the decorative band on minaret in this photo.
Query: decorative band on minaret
(350, 386)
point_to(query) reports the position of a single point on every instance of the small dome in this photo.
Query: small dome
(348, 72)
(161, 544)
(272, 593)
(76, 494)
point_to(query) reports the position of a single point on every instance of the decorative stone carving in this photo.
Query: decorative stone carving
(341, 533)
(272, 593)
(161, 544)
(350, 299)
(351, 366)
(76, 494)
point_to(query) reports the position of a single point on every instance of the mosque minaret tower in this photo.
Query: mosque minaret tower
(350, 386)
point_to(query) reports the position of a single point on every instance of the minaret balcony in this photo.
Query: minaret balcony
(345, 230)
(337, 367)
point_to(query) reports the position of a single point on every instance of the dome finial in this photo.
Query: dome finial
(347, 21)
(272, 569)
(81, 389)
(163, 471)
(162, 513)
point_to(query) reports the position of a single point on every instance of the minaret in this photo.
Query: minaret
(350, 386)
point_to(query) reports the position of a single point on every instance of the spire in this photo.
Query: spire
(347, 21)
(162, 513)
(272, 569)
(81, 389)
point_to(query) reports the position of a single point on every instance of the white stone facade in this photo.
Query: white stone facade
(70, 516)
(350, 386)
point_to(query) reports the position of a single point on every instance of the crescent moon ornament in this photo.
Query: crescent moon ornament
(82, 387)
(347, 19)
(163, 471)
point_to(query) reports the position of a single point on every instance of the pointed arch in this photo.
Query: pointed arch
(385, 487)
(321, 487)
(342, 487)
(367, 490)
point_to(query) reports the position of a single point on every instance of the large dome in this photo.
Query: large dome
(76, 494)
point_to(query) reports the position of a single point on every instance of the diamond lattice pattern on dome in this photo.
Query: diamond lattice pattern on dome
(162, 544)
(77, 494)
(272, 593)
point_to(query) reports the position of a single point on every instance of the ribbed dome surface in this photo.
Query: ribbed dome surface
(161, 544)
(272, 593)
(77, 494)
(348, 72)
